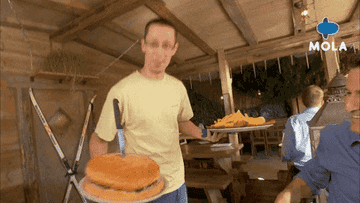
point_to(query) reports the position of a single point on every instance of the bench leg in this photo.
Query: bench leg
(214, 196)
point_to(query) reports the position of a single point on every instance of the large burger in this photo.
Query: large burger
(114, 178)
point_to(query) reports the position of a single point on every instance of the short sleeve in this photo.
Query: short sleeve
(106, 126)
(185, 111)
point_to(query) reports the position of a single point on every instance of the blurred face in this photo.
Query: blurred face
(159, 46)
(352, 99)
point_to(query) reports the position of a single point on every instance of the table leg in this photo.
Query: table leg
(224, 163)
(234, 139)
(214, 196)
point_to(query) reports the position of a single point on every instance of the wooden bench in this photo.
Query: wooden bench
(211, 180)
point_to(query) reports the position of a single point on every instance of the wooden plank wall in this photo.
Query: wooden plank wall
(11, 151)
(15, 72)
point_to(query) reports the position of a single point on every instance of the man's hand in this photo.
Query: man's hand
(294, 192)
(283, 197)
(215, 137)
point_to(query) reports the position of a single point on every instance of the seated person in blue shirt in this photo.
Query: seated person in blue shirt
(296, 147)
(337, 161)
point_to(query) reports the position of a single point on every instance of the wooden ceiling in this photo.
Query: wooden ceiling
(247, 31)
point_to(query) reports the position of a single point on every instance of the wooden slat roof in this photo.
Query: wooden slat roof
(247, 30)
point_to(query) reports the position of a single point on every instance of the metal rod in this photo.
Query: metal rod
(241, 68)
(279, 65)
(210, 78)
(307, 60)
(321, 55)
(190, 82)
(265, 64)
(199, 77)
(292, 59)
(254, 70)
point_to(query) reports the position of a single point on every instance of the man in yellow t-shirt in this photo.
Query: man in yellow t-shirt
(154, 107)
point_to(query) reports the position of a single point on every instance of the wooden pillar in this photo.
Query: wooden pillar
(331, 59)
(226, 88)
(226, 81)
(30, 170)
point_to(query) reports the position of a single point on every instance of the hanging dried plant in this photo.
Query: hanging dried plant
(73, 65)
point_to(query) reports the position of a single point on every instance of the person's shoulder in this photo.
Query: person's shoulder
(175, 81)
(294, 119)
(336, 128)
(335, 133)
(124, 82)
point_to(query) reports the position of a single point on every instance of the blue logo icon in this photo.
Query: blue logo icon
(326, 28)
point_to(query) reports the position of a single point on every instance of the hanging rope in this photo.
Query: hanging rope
(23, 33)
(118, 58)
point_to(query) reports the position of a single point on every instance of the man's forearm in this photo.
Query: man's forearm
(189, 128)
(97, 146)
(294, 192)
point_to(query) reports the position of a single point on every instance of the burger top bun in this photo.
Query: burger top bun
(130, 173)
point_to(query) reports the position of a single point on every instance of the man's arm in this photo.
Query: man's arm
(97, 146)
(294, 192)
(288, 145)
(189, 128)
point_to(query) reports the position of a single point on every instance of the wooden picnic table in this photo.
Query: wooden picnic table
(212, 180)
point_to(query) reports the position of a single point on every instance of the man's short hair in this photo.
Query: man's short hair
(349, 61)
(159, 21)
(312, 96)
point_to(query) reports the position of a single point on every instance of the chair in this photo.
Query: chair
(257, 138)
(274, 134)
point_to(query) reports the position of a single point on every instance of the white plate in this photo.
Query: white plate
(240, 129)
(221, 145)
(99, 200)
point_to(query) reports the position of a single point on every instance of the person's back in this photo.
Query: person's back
(296, 145)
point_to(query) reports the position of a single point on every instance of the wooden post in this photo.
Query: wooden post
(30, 170)
(226, 87)
(226, 81)
(331, 61)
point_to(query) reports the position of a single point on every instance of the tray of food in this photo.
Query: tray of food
(237, 122)
(116, 179)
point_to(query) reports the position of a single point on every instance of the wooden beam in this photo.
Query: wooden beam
(226, 82)
(27, 27)
(331, 61)
(274, 48)
(347, 40)
(299, 23)
(30, 169)
(238, 17)
(110, 52)
(56, 6)
(131, 36)
(94, 18)
(158, 7)
(246, 59)
(355, 15)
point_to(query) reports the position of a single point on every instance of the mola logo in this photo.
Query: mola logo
(326, 28)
